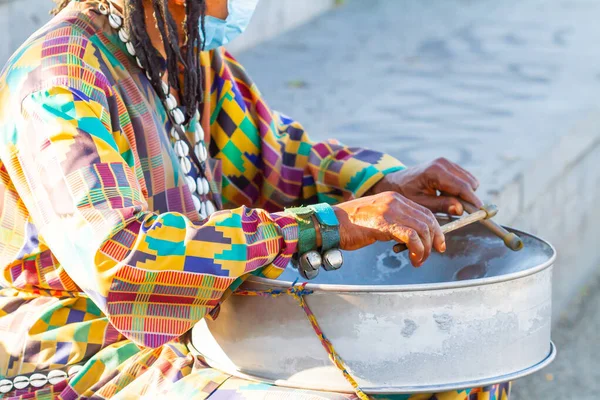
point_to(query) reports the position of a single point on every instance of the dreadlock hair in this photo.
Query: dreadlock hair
(181, 58)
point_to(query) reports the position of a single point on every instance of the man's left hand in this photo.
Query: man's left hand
(437, 186)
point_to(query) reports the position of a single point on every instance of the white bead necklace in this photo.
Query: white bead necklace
(199, 186)
(38, 379)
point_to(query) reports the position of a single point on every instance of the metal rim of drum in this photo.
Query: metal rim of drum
(406, 389)
(336, 288)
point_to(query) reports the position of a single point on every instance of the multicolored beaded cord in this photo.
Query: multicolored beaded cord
(298, 292)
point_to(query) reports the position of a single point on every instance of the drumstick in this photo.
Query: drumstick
(485, 212)
(511, 240)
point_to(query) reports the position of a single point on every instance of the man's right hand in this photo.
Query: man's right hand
(389, 216)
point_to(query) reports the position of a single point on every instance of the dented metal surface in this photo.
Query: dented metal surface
(478, 314)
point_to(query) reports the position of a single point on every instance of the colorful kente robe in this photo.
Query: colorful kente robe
(105, 262)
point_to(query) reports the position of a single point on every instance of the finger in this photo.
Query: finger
(413, 242)
(460, 171)
(418, 223)
(466, 175)
(458, 187)
(441, 204)
(424, 215)
(435, 230)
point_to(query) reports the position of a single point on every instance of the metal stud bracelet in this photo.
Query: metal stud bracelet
(329, 225)
(309, 259)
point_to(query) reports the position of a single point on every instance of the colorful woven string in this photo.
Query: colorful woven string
(298, 292)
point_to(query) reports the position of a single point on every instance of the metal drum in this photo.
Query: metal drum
(476, 315)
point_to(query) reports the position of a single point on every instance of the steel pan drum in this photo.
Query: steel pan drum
(476, 315)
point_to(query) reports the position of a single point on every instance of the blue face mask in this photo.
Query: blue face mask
(220, 32)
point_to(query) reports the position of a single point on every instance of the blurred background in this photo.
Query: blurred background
(510, 90)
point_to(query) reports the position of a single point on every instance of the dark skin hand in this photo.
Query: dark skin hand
(421, 184)
(389, 216)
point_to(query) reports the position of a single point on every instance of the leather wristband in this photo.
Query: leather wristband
(329, 226)
(307, 234)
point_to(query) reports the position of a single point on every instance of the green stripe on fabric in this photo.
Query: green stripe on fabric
(62, 110)
(304, 149)
(323, 198)
(219, 105)
(251, 132)
(173, 220)
(82, 332)
(393, 169)
(232, 221)
(234, 155)
(114, 61)
(166, 247)
(128, 157)
(361, 177)
(238, 252)
(94, 127)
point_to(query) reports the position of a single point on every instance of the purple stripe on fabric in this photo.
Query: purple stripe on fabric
(368, 156)
(175, 201)
(69, 393)
(203, 266)
(63, 353)
(322, 150)
(292, 173)
(75, 316)
(263, 112)
(270, 155)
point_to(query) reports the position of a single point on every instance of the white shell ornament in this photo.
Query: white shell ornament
(210, 207)
(130, 48)
(38, 380)
(74, 370)
(124, 36)
(191, 183)
(21, 382)
(115, 21)
(197, 203)
(5, 386)
(200, 151)
(178, 116)
(181, 148)
(198, 133)
(186, 165)
(103, 9)
(171, 102)
(165, 88)
(56, 376)
(203, 187)
(175, 133)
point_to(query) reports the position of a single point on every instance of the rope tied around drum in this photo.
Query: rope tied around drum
(298, 292)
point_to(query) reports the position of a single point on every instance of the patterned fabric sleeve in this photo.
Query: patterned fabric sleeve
(153, 275)
(268, 158)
